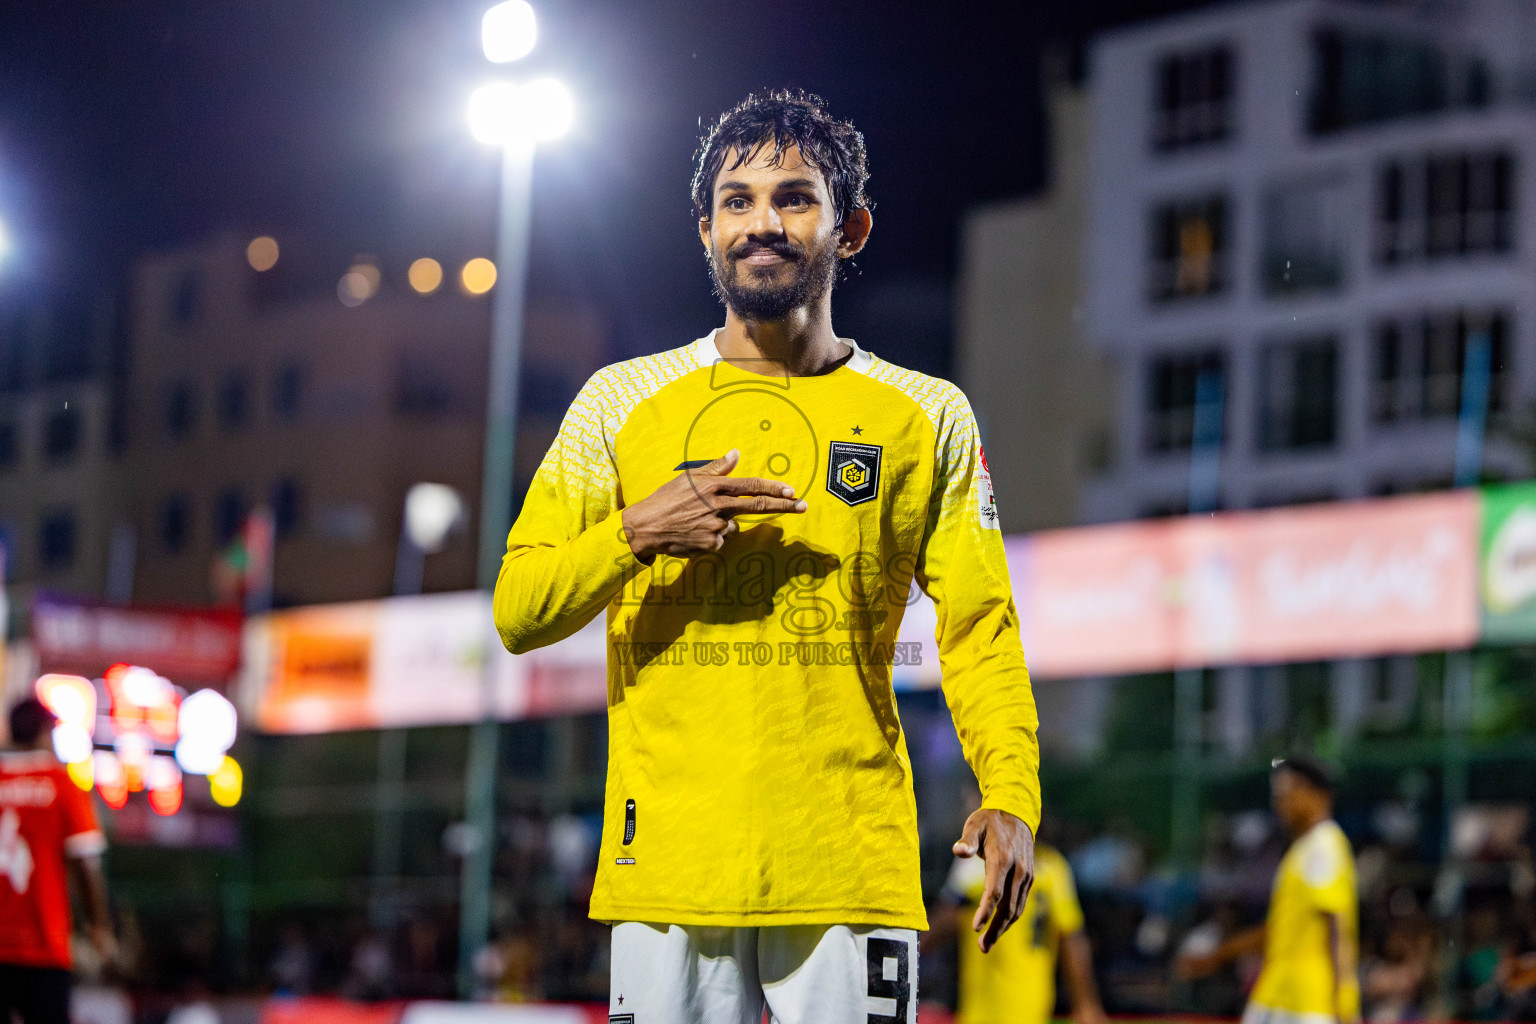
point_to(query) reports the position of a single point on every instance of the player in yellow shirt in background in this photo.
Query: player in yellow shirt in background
(1310, 939)
(1016, 982)
(750, 513)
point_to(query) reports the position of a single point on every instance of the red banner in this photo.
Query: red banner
(186, 645)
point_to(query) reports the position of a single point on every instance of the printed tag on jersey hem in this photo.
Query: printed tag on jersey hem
(621, 1018)
(986, 502)
(853, 471)
(624, 860)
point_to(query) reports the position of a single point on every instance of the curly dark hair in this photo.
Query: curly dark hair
(1310, 770)
(784, 118)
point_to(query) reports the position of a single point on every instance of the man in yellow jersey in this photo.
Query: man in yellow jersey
(1016, 982)
(750, 511)
(1310, 940)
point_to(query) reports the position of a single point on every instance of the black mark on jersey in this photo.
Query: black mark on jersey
(693, 464)
(629, 822)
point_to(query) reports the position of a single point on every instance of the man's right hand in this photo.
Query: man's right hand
(694, 512)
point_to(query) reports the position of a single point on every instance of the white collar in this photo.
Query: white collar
(708, 354)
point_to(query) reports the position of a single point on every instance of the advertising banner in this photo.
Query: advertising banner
(382, 664)
(1507, 564)
(1349, 580)
(1354, 579)
(186, 645)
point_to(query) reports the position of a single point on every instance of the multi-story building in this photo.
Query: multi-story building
(322, 389)
(60, 435)
(1299, 212)
(1021, 355)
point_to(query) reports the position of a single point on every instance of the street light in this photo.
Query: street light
(516, 117)
(509, 114)
(432, 512)
(508, 31)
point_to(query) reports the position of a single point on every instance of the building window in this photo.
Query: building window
(1304, 236)
(1298, 404)
(1286, 498)
(1445, 204)
(61, 434)
(1194, 98)
(180, 410)
(287, 392)
(186, 298)
(56, 540)
(1174, 395)
(10, 444)
(1189, 249)
(234, 400)
(228, 515)
(284, 499)
(175, 522)
(1417, 372)
(421, 388)
(1361, 79)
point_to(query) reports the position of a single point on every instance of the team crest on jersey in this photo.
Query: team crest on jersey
(853, 471)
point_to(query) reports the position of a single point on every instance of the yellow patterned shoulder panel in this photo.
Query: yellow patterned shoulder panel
(944, 404)
(598, 413)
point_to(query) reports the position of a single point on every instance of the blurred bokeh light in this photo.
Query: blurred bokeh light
(262, 253)
(425, 275)
(359, 284)
(478, 275)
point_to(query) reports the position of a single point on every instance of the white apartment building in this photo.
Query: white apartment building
(1313, 203)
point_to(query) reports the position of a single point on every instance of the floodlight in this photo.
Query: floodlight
(508, 31)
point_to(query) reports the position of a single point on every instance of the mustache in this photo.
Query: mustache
(783, 248)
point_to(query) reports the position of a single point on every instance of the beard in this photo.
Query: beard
(753, 294)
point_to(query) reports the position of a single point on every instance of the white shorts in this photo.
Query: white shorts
(804, 974)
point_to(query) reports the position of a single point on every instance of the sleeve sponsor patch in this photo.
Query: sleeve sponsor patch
(986, 503)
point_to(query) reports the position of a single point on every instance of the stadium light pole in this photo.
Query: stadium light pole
(516, 117)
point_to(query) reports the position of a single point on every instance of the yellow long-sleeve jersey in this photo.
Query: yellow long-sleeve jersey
(1015, 983)
(757, 770)
(1300, 982)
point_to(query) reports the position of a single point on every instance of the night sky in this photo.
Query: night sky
(132, 126)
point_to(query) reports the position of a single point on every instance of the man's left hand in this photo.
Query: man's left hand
(1008, 848)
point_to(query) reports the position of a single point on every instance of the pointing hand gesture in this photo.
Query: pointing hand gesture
(695, 512)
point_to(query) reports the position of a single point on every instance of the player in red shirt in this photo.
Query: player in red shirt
(48, 831)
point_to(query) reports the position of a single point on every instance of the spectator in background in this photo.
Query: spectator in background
(370, 974)
(1220, 993)
(293, 965)
(1478, 969)
(1397, 985)
(48, 831)
(1517, 974)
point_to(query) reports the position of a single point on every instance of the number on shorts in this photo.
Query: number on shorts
(898, 988)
